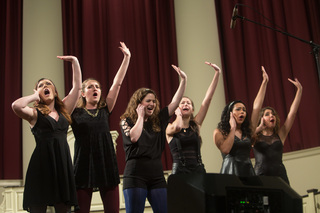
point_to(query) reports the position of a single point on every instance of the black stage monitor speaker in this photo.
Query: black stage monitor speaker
(220, 193)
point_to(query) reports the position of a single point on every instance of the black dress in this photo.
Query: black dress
(49, 178)
(143, 159)
(95, 162)
(268, 154)
(185, 150)
(238, 162)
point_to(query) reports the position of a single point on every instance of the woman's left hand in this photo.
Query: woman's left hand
(215, 67)
(125, 50)
(68, 58)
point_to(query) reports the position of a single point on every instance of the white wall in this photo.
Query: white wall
(197, 39)
(42, 42)
(303, 169)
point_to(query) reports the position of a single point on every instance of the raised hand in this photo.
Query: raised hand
(125, 50)
(264, 74)
(215, 67)
(68, 58)
(296, 83)
(284, 130)
(180, 72)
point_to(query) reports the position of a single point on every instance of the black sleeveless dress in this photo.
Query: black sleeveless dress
(268, 154)
(49, 178)
(185, 150)
(238, 162)
(95, 161)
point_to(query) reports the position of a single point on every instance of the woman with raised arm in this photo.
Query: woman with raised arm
(143, 127)
(49, 178)
(268, 147)
(95, 162)
(183, 134)
(234, 132)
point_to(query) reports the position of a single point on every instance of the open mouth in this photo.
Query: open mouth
(95, 94)
(46, 92)
(150, 109)
(241, 116)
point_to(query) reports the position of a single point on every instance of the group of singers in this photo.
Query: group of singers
(52, 178)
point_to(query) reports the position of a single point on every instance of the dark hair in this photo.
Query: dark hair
(134, 101)
(224, 125)
(58, 104)
(82, 101)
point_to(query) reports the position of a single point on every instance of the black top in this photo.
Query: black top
(268, 154)
(185, 150)
(238, 162)
(49, 178)
(143, 158)
(95, 162)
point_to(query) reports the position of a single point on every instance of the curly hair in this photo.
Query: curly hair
(135, 100)
(224, 125)
(58, 104)
(82, 101)
(274, 112)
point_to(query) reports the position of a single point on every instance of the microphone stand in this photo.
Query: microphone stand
(315, 47)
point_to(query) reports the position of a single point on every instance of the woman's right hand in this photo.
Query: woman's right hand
(178, 112)
(261, 126)
(264, 74)
(232, 121)
(137, 128)
(36, 96)
(140, 110)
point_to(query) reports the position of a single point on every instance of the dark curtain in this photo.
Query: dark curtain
(92, 31)
(11, 88)
(248, 46)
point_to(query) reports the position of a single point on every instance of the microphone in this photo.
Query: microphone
(234, 17)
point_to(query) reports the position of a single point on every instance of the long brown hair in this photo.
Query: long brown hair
(277, 126)
(58, 104)
(82, 101)
(193, 124)
(135, 100)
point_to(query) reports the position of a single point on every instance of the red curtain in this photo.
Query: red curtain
(248, 46)
(10, 88)
(92, 31)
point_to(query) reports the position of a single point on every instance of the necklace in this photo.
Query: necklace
(93, 115)
(185, 129)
